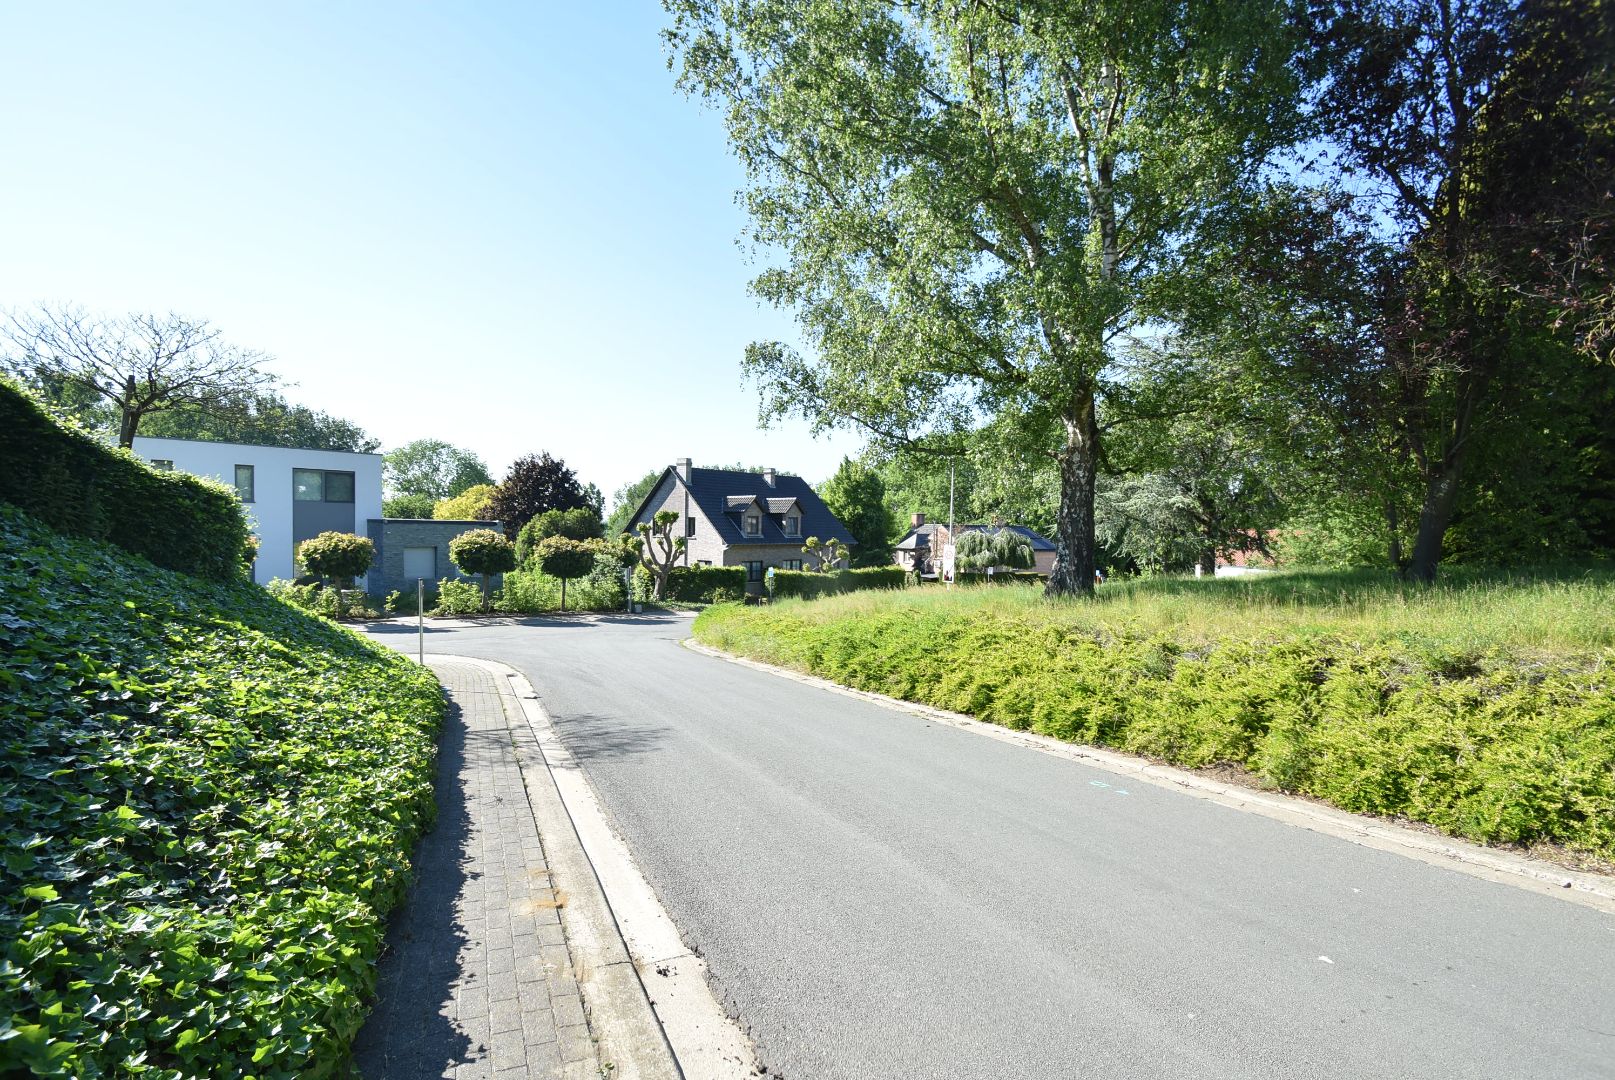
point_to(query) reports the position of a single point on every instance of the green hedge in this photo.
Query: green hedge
(699, 584)
(1493, 745)
(77, 485)
(210, 803)
(807, 584)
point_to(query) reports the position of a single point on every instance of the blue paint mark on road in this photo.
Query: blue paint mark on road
(1098, 783)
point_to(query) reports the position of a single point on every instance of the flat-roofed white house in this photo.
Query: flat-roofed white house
(290, 495)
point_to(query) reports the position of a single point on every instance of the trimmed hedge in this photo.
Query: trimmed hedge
(79, 486)
(210, 803)
(1491, 745)
(807, 584)
(699, 584)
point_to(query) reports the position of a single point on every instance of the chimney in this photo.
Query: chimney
(769, 476)
(683, 467)
(916, 521)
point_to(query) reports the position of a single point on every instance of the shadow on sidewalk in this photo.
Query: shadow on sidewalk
(412, 1031)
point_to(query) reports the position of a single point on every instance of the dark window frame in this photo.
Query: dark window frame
(251, 494)
(754, 570)
(749, 520)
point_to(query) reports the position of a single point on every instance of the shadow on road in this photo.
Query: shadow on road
(412, 1032)
(602, 738)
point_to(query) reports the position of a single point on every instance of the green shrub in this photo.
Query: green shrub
(408, 506)
(807, 584)
(699, 584)
(1495, 743)
(456, 596)
(403, 602)
(582, 524)
(485, 552)
(338, 557)
(78, 486)
(564, 560)
(210, 803)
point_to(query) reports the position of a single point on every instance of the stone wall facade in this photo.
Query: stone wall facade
(392, 535)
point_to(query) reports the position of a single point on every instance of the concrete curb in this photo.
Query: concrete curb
(650, 1006)
(1533, 875)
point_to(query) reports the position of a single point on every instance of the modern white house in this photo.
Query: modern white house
(290, 495)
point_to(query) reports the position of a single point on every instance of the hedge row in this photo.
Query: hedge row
(210, 802)
(77, 485)
(808, 584)
(1493, 747)
(702, 584)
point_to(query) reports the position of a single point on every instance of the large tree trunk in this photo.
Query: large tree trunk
(1073, 528)
(1440, 496)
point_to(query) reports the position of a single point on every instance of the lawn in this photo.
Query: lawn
(1484, 706)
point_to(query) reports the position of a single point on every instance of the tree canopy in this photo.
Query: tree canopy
(432, 468)
(534, 484)
(260, 418)
(857, 497)
(976, 205)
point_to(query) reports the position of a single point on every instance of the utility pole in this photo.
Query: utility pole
(950, 520)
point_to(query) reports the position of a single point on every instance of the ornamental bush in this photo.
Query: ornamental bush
(564, 560)
(71, 481)
(210, 803)
(340, 557)
(699, 584)
(456, 596)
(485, 552)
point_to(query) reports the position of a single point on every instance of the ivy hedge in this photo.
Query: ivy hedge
(1491, 745)
(807, 584)
(78, 485)
(210, 801)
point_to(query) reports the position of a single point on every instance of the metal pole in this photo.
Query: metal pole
(950, 519)
(420, 619)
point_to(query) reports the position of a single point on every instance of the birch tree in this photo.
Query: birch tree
(975, 204)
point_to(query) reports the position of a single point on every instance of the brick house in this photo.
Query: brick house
(928, 546)
(755, 520)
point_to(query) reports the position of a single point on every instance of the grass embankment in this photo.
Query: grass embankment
(209, 805)
(1485, 707)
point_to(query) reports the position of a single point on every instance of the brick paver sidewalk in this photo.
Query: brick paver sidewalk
(476, 980)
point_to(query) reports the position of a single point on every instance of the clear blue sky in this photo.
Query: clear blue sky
(499, 225)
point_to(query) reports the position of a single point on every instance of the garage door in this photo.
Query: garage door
(420, 562)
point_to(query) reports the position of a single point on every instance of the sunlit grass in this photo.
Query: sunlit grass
(1556, 609)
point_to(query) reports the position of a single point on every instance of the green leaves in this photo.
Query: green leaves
(207, 803)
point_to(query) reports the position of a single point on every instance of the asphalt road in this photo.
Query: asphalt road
(881, 896)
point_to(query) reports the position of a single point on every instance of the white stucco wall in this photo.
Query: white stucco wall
(270, 512)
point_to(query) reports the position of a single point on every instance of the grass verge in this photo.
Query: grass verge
(1486, 710)
(209, 805)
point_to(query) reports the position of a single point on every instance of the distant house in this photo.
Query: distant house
(290, 495)
(755, 520)
(928, 546)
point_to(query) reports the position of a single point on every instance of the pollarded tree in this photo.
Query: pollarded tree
(658, 549)
(978, 203)
(564, 559)
(484, 552)
(339, 557)
(824, 555)
(140, 363)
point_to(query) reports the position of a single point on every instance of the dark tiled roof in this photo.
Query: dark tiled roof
(722, 496)
(921, 537)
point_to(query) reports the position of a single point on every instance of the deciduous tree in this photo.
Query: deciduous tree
(856, 496)
(977, 202)
(433, 468)
(260, 418)
(564, 559)
(140, 363)
(658, 549)
(340, 557)
(535, 483)
(484, 552)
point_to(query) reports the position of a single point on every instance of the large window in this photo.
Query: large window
(754, 571)
(754, 525)
(317, 485)
(244, 482)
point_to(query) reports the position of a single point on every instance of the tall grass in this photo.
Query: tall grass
(1558, 610)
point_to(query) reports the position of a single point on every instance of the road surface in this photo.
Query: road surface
(878, 895)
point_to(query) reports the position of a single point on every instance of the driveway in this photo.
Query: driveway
(878, 895)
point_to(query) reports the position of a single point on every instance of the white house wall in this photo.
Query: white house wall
(270, 514)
